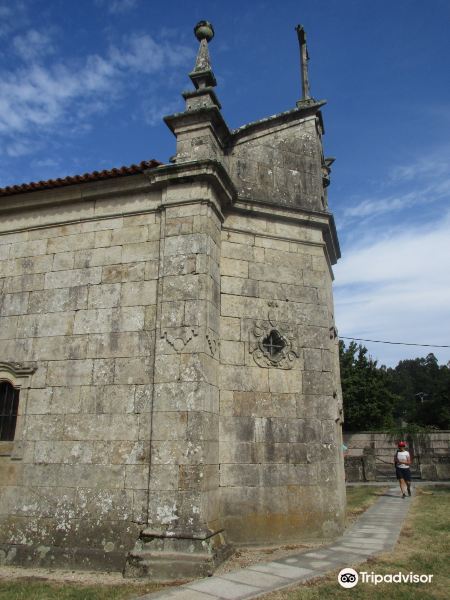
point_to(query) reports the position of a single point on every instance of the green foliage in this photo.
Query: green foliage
(424, 388)
(416, 436)
(368, 401)
(416, 392)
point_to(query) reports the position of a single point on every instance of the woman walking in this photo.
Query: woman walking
(402, 462)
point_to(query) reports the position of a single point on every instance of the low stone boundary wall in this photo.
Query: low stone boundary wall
(370, 455)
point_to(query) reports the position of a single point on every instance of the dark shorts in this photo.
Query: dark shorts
(403, 473)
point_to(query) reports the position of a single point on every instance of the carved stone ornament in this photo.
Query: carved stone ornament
(178, 343)
(213, 343)
(274, 344)
(16, 371)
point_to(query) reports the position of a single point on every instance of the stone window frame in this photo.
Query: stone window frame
(9, 406)
(19, 376)
(285, 358)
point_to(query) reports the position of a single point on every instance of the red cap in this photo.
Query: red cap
(401, 444)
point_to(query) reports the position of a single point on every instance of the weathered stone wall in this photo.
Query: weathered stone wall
(78, 300)
(184, 511)
(184, 471)
(281, 472)
(281, 161)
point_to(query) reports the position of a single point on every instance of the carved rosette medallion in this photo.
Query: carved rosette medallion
(273, 344)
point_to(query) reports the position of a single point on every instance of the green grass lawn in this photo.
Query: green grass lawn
(423, 548)
(26, 589)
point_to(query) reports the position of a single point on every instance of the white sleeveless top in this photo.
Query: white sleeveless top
(404, 455)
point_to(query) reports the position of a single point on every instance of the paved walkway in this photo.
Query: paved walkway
(375, 531)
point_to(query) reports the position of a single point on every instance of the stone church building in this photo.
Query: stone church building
(169, 376)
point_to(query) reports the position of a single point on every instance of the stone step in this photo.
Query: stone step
(165, 559)
(166, 566)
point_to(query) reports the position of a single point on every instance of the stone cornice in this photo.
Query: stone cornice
(206, 116)
(320, 220)
(295, 114)
(210, 171)
(134, 184)
(208, 91)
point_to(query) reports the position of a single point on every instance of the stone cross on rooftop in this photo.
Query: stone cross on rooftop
(304, 58)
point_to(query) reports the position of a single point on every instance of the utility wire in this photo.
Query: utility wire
(396, 343)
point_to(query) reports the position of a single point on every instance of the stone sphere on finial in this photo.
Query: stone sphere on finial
(204, 31)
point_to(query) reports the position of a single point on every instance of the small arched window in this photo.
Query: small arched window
(9, 406)
(15, 380)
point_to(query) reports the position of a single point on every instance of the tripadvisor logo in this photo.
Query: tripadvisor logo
(348, 578)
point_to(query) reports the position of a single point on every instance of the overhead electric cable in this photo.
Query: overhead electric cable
(395, 343)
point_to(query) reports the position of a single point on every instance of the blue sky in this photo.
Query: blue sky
(84, 86)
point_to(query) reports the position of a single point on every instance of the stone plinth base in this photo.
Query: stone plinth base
(162, 558)
(55, 557)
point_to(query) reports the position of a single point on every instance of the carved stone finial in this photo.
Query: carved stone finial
(202, 105)
(204, 31)
(202, 75)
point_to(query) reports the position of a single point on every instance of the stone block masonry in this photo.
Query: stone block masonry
(171, 336)
(84, 442)
(270, 440)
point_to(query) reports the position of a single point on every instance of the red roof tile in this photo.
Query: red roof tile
(74, 179)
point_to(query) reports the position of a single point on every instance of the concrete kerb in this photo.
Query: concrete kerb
(376, 531)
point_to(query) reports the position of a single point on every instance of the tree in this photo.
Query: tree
(416, 391)
(423, 388)
(368, 401)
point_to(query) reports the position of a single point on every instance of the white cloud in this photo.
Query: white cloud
(398, 258)
(5, 16)
(60, 97)
(32, 45)
(19, 148)
(36, 98)
(421, 182)
(118, 6)
(155, 111)
(5, 11)
(12, 16)
(397, 289)
(372, 207)
(428, 167)
(142, 53)
(45, 163)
